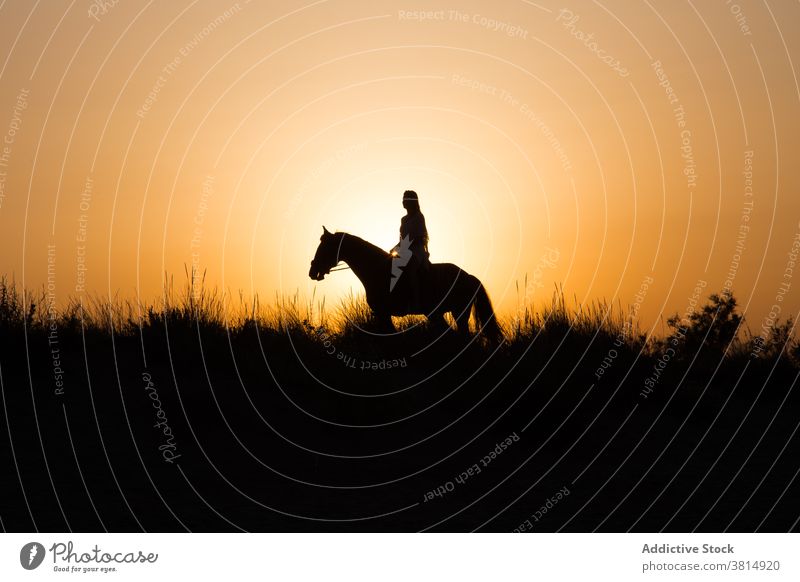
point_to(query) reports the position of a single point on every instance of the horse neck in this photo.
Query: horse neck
(360, 256)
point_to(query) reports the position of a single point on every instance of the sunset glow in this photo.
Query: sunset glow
(592, 147)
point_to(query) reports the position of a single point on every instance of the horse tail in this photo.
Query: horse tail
(485, 317)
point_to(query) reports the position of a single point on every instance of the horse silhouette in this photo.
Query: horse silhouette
(446, 288)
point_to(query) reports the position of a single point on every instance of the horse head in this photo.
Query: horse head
(327, 255)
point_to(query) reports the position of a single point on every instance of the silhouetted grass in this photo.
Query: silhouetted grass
(717, 328)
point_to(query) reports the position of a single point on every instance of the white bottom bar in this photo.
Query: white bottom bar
(417, 557)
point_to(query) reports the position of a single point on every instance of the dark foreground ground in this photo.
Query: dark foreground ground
(183, 424)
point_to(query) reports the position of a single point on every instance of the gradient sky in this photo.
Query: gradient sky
(593, 145)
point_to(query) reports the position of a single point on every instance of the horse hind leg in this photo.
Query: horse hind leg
(437, 321)
(462, 321)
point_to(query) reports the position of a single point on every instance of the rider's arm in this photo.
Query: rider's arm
(415, 227)
(396, 249)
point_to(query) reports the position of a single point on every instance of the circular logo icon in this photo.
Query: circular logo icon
(31, 555)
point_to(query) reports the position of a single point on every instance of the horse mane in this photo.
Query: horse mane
(365, 245)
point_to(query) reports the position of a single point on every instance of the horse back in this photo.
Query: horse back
(446, 282)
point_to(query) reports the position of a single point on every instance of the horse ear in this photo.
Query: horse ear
(325, 231)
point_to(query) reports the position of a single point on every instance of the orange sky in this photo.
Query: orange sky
(591, 145)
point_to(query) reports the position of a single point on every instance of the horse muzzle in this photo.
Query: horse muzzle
(315, 274)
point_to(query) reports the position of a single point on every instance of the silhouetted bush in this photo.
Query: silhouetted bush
(714, 328)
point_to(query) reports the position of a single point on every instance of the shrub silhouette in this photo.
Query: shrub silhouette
(714, 328)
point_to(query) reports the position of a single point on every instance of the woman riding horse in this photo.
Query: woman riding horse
(448, 289)
(414, 231)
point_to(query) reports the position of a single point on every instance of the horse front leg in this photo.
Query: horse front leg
(383, 323)
(381, 320)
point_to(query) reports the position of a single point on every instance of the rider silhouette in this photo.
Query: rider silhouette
(412, 225)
